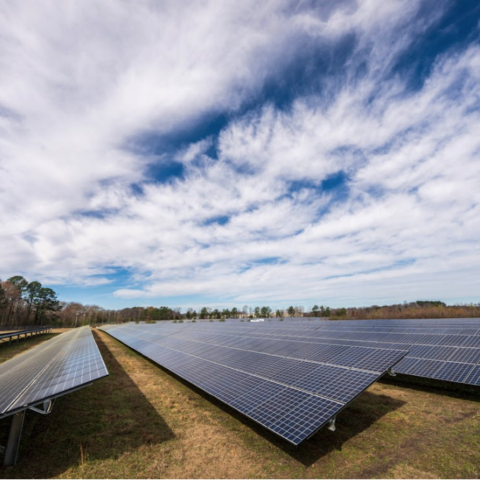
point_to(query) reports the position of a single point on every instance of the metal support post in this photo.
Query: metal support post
(331, 424)
(391, 372)
(11, 452)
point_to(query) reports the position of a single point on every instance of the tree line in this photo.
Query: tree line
(417, 309)
(245, 312)
(24, 303)
(410, 310)
(30, 303)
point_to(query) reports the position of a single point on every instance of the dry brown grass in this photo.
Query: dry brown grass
(142, 422)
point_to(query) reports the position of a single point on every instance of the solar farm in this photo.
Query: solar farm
(293, 398)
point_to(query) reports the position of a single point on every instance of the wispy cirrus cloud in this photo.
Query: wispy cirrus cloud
(353, 180)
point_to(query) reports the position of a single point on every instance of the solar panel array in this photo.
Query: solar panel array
(51, 369)
(441, 349)
(292, 387)
(9, 336)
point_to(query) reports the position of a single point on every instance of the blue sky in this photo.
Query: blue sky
(241, 153)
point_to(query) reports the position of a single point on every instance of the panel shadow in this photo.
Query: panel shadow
(438, 387)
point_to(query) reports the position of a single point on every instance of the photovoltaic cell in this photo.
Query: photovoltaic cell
(474, 376)
(252, 399)
(347, 385)
(453, 372)
(466, 355)
(290, 375)
(289, 385)
(282, 365)
(271, 410)
(302, 421)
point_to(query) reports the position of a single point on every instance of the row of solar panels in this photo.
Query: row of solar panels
(300, 356)
(26, 332)
(390, 323)
(450, 353)
(292, 388)
(34, 379)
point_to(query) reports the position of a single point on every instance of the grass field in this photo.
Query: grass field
(141, 422)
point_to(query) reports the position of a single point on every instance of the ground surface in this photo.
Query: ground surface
(141, 422)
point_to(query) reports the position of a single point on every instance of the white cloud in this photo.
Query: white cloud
(81, 82)
(94, 80)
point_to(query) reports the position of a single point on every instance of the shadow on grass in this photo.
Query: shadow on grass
(104, 421)
(363, 412)
(437, 387)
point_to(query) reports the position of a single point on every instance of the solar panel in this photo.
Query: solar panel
(447, 349)
(65, 363)
(291, 387)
